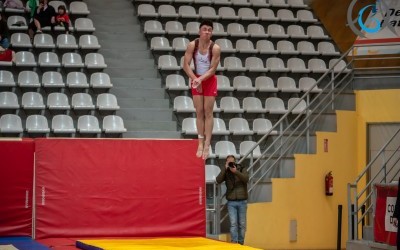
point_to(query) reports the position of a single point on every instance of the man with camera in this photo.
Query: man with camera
(236, 178)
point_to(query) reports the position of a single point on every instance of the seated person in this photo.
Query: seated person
(4, 41)
(44, 16)
(13, 4)
(62, 18)
(7, 55)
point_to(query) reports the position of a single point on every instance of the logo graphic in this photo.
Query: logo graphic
(378, 19)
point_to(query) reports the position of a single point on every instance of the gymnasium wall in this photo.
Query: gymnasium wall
(303, 199)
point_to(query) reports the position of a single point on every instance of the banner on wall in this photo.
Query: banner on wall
(381, 28)
(119, 188)
(384, 229)
(16, 187)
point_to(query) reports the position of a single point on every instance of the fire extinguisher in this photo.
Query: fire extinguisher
(329, 184)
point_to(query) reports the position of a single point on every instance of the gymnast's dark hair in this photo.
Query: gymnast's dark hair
(207, 23)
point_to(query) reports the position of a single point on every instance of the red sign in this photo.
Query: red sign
(384, 229)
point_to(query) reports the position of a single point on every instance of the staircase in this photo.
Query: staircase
(144, 106)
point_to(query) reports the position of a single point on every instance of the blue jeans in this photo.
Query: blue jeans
(237, 215)
(5, 43)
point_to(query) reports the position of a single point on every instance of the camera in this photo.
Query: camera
(231, 164)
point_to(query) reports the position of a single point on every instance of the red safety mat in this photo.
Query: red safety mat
(121, 188)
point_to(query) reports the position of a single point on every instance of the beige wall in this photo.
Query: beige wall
(302, 198)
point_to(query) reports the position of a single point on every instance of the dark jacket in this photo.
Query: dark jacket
(236, 183)
(3, 29)
(44, 15)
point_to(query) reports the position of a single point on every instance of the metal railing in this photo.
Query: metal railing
(336, 81)
(360, 192)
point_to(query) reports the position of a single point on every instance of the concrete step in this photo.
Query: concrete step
(129, 57)
(373, 79)
(99, 5)
(110, 43)
(137, 82)
(118, 28)
(325, 122)
(143, 103)
(134, 61)
(345, 101)
(132, 92)
(118, 36)
(122, 19)
(367, 245)
(298, 148)
(146, 114)
(262, 192)
(368, 233)
(131, 72)
(134, 125)
(284, 169)
(152, 134)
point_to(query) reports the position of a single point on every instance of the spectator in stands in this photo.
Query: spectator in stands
(396, 215)
(62, 18)
(236, 178)
(205, 55)
(4, 33)
(32, 6)
(7, 55)
(44, 16)
(13, 4)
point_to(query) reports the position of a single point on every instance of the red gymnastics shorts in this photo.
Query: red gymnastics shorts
(209, 87)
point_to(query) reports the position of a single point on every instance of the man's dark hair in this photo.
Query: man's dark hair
(207, 23)
(231, 156)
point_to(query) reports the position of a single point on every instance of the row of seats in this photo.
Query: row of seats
(246, 46)
(225, 148)
(74, 8)
(46, 41)
(228, 104)
(225, 13)
(82, 24)
(50, 59)
(58, 101)
(254, 3)
(61, 124)
(255, 64)
(53, 79)
(175, 82)
(175, 28)
(237, 126)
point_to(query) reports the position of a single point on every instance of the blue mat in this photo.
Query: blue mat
(22, 243)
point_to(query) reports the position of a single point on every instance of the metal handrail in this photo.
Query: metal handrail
(359, 198)
(282, 119)
(330, 72)
(335, 90)
(291, 144)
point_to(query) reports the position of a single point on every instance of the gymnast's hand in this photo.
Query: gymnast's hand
(196, 84)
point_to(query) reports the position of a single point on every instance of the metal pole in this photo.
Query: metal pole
(308, 124)
(333, 88)
(349, 213)
(218, 210)
(339, 232)
(355, 214)
(363, 220)
(352, 224)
